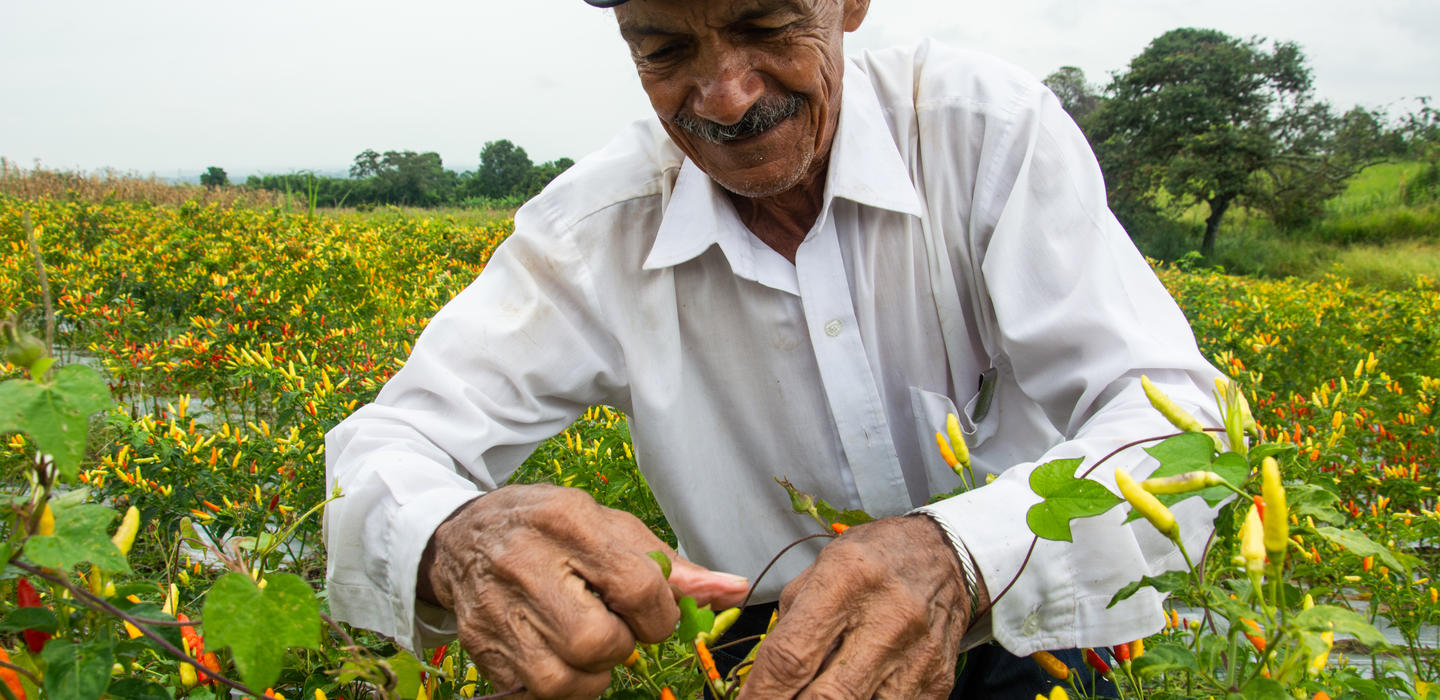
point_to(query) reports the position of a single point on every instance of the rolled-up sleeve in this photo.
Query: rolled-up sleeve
(1078, 317)
(509, 362)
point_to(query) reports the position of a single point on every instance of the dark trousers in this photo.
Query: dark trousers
(987, 671)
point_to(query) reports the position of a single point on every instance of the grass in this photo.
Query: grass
(1395, 266)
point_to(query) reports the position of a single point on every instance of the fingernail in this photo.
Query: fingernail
(732, 577)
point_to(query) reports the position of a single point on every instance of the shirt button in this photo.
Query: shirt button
(833, 326)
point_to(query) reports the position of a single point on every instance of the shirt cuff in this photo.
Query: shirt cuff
(419, 624)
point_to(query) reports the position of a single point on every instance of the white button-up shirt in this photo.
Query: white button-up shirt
(964, 242)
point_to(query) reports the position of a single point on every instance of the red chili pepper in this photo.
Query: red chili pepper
(1094, 661)
(194, 643)
(1121, 652)
(27, 597)
(439, 655)
(211, 665)
(274, 501)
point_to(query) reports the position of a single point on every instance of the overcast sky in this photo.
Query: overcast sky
(171, 86)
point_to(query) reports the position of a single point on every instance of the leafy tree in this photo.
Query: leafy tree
(541, 175)
(503, 170)
(1198, 115)
(214, 177)
(1076, 94)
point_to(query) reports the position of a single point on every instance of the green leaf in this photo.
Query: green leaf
(1066, 498)
(1322, 618)
(1362, 546)
(407, 673)
(81, 535)
(1167, 582)
(42, 619)
(138, 689)
(663, 561)
(259, 624)
(1312, 500)
(1163, 658)
(693, 620)
(77, 671)
(56, 415)
(827, 511)
(1193, 452)
(854, 517)
(1262, 688)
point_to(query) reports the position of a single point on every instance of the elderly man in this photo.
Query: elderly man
(799, 269)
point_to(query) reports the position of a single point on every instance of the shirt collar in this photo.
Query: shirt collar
(865, 167)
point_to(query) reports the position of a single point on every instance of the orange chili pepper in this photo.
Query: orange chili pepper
(1052, 665)
(839, 528)
(707, 662)
(667, 694)
(10, 678)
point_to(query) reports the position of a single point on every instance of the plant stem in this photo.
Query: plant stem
(44, 284)
(86, 598)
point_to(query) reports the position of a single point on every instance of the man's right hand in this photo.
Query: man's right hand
(551, 590)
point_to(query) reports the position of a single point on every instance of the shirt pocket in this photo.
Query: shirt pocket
(930, 410)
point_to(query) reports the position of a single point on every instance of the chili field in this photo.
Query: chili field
(230, 338)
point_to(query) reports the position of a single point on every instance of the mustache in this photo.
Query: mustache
(764, 114)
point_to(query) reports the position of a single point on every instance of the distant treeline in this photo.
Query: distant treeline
(505, 178)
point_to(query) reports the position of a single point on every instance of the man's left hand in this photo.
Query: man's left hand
(879, 614)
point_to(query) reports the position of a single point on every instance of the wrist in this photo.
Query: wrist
(976, 599)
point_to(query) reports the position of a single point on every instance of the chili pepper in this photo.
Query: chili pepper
(1182, 483)
(1052, 665)
(1317, 664)
(1147, 504)
(211, 664)
(957, 440)
(1178, 417)
(1057, 693)
(1252, 542)
(193, 642)
(1121, 653)
(945, 452)
(46, 526)
(10, 678)
(1277, 516)
(839, 528)
(27, 597)
(274, 501)
(633, 658)
(707, 662)
(1367, 563)
(1137, 649)
(188, 677)
(1094, 661)
(723, 620)
(320, 694)
(667, 694)
(124, 537)
(439, 654)
(1321, 695)
(1256, 640)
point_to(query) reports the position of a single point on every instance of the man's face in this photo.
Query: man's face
(749, 89)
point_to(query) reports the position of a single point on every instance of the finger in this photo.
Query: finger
(794, 651)
(871, 653)
(546, 675)
(576, 624)
(717, 589)
(927, 672)
(628, 581)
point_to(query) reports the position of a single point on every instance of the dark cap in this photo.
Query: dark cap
(606, 3)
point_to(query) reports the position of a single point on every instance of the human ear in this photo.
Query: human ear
(855, 13)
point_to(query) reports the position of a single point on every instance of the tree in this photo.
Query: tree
(1198, 115)
(503, 170)
(1075, 92)
(214, 177)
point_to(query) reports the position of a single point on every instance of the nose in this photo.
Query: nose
(726, 85)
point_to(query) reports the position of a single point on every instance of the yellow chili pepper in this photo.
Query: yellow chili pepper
(1178, 417)
(188, 678)
(46, 527)
(1277, 516)
(957, 440)
(1052, 665)
(1182, 483)
(1146, 504)
(633, 657)
(124, 536)
(1252, 542)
